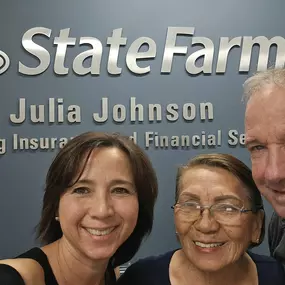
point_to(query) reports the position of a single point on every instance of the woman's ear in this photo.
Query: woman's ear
(257, 226)
(56, 217)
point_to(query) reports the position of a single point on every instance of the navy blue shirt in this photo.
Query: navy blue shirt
(155, 271)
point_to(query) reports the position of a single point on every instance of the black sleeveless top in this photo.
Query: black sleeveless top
(10, 276)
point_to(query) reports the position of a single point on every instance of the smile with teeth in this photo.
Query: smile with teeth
(208, 245)
(96, 232)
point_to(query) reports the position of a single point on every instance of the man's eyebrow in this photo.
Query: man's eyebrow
(282, 135)
(249, 141)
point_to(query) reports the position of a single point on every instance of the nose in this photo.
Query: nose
(275, 167)
(206, 223)
(101, 206)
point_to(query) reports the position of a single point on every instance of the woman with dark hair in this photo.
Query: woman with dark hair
(97, 207)
(219, 216)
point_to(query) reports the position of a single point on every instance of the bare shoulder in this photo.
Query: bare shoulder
(31, 272)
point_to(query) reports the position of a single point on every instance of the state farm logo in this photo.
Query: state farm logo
(4, 62)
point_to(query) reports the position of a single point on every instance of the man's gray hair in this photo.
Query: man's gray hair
(272, 76)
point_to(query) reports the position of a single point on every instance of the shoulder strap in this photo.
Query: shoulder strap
(38, 255)
(10, 276)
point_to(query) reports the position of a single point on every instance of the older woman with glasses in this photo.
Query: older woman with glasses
(218, 217)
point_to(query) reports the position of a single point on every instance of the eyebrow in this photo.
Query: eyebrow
(113, 182)
(122, 181)
(250, 141)
(216, 199)
(190, 195)
(281, 136)
(227, 197)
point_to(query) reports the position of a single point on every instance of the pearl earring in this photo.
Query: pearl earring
(57, 218)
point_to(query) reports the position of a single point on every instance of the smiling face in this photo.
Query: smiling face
(208, 244)
(99, 212)
(265, 140)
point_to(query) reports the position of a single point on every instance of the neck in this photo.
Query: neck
(238, 271)
(71, 267)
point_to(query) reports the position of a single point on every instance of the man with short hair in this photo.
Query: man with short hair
(264, 94)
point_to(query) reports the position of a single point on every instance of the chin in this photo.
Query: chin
(100, 254)
(279, 209)
(210, 266)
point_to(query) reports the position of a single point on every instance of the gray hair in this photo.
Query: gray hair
(237, 168)
(272, 76)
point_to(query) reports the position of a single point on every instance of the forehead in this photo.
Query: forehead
(265, 113)
(105, 162)
(211, 182)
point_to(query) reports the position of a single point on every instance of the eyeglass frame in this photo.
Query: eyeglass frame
(204, 207)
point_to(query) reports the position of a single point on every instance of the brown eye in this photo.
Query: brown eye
(121, 191)
(80, 190)
(226, 208)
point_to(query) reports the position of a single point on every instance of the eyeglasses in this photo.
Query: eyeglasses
(223, 213)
